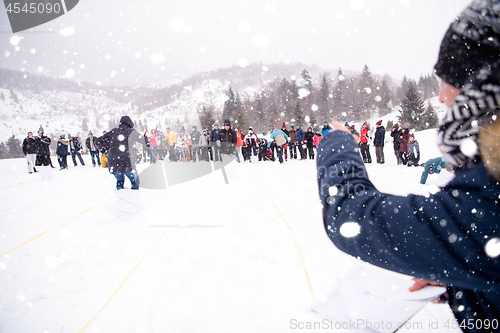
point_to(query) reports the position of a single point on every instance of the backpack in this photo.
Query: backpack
(280, 140)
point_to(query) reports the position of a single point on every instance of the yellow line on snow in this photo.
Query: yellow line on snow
(57, 226)
(140, 261)
(293, 235)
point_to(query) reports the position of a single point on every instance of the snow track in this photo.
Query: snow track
(203, 256)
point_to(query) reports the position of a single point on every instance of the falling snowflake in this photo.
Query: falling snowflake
(492, 248)
(350, 229)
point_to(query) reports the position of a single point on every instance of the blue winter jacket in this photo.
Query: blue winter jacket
(62, 147)
(441, 237)
(299, 135)
(274, 134)
(434, 165)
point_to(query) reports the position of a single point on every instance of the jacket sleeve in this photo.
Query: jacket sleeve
(427, 237)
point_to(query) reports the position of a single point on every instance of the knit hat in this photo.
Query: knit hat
(227, 122)
(396, 125)
(40, 130)
(365, 123)
(346, 124)
(471, 40)
(326, 121)
(28, 134)
(352, 126)
(69, 136)
(379, 122)
(297, 125)
(477, 104)
(90, 132)
(216, 124)
(293, 126)
(283, 126)
(62, 136)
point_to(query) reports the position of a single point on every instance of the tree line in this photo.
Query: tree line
(342, 97)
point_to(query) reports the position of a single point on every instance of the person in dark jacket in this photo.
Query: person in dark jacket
(396, 140)
(195, 139)
(434, 165)
(62, 152)
(263, 150)
(121, 156)
(309, 139)
(42, 149)
(299, 141)
(29, 150)
(214, 147)
(94, 152)
(291, 145)
(378, 142)
(441, 237)
(227, 139)
(403, 145)
(74, 147)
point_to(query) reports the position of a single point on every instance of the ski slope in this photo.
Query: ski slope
(203, 256)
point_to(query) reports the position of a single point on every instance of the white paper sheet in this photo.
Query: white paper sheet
(369, 299)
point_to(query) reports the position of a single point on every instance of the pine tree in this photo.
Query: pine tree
(259, 111)
(429, 118)
(340, 107)
(385, 96)
(298, 115)
(14, 147)
(229, 105)
(401, 91)
(240, 117)
(207, 119)
(2, 96)
(307, 80)
(412, 107)
(324, 98)
(85, 124)
(366, 91)
(3, 151)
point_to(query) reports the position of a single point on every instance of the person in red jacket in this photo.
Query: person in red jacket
(403, 147)
(152, 138)
(363, 143)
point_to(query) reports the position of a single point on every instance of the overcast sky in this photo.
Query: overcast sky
(127, 42)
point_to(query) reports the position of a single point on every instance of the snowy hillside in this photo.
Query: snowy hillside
(203, 256)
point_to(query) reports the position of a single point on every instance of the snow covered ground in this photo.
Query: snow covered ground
(203, 256)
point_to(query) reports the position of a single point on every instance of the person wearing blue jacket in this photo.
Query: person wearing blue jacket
(281, 139)
(62, 152)
(299, 141)
(451, 237)
(326, 128)
(434, 165)
(441, 237)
